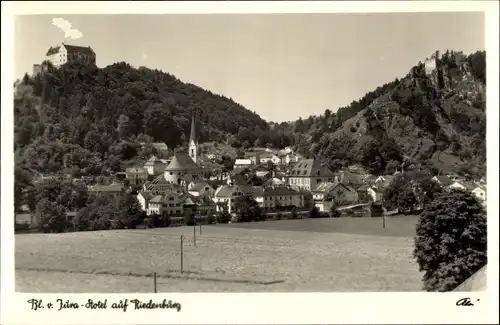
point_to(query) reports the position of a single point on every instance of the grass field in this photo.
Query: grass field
(346, 254)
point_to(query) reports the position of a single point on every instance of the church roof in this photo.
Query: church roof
(180, 162)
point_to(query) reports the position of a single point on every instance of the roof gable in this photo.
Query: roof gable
(310, 168)
(181, 161)
(79, 49)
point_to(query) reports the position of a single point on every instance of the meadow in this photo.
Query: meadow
(345, 254)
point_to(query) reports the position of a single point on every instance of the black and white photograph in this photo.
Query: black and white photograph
(259, 153)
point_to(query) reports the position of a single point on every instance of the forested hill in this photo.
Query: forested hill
(89, 118)
(433, 118)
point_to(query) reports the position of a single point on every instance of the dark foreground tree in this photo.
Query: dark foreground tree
(314, 212)
(248, 209)
(50, 216)
(450, 244)
(334, 213)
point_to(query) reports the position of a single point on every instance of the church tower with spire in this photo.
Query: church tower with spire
(193, 143)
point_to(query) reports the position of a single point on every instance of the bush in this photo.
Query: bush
(450, 244)
(50, 216)
(314, 213)
(189, 218)
(334, 213)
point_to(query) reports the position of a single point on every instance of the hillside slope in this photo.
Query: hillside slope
(434, 117)
(87, 118)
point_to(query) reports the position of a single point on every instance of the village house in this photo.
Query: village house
(155, 166)
(290, 158)
(215, 155)
(336, 192)
(169, 204)
(227, 194)
(243, 163)
(65, 53)
(375, 194)
(308, 174)
(363, 195)
(144, 197)
(265, 157)
(261, 149)
(254, 157)
(274, 182)
(262, 173)
(136, 175)
(349, 179)
(112, 189)
(464, 186)
(357, 169)
(236, 179)
(201, 189)
(161, 186)
(279, 196)
(160, 146)
(382, 182)
(318, 195)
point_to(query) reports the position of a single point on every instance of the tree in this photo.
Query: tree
(22, 181)
(125, 127)
(82, 220)
(334, 213)
(428, 190)
(451, 240)
(371, 158)
(392, 166)
(189, 219)
(247, 208)
(129, 212)
(50, 217)
(407, 200)
(314, 213)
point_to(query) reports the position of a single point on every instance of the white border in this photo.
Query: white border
(276, 308)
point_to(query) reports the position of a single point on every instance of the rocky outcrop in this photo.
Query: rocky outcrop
(421, 112)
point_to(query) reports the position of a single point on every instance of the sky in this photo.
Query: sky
(281, 66)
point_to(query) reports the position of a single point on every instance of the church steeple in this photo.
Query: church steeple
(193, 143)
(192, 137)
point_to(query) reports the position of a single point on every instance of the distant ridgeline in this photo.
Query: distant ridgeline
(97, 116)
(433, 118)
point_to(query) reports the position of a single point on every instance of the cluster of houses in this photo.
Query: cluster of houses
(195, 181)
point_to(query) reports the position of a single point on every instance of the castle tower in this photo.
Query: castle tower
(193, 143)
